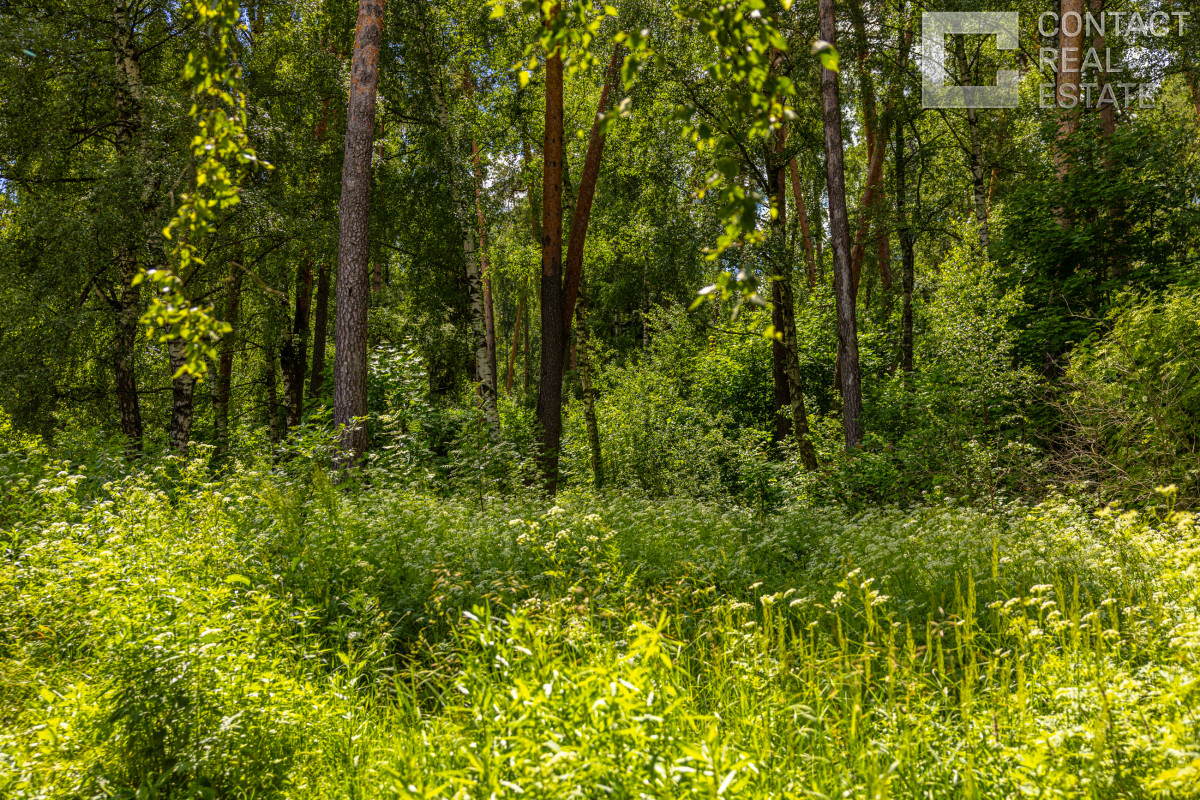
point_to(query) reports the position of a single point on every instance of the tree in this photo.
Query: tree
(549, 405)
(353, 285)
(223, 384)
(974, 149)
(559, 285)
(293, 352)
(129, 124)
(839, 234)
(316, 381)
(1070, 61)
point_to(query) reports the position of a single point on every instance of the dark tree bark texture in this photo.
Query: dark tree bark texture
(353, 284)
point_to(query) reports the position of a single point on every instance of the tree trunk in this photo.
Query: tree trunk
(874, 196)
(484, 373)
(350, 330)
(1194, 85)
(182, 396)
(549, 405)
(535, 227)
(489, 313)
(587, 193)
(479, 339)
(126, 128)
(516, 341)
(1070, 62)
(489, 318)
(295, 348)
(320, 333)
(125, 351)
(560, 284)
(839, 228)
(805, 232)
(785, 351)
(779, 377)
(1108, 109)
(870, 191)
(818, 224)
(527, 362)
(906, 249)
(589, 393)
(224, 383)
(270, 357)
(979, 187)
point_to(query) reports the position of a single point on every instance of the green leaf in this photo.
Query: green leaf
(827, 53)
(728, 167)
(238, 579)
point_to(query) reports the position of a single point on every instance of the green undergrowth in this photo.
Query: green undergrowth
(270, 634)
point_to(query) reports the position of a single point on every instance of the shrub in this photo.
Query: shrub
(1132, 408)
(958, 420)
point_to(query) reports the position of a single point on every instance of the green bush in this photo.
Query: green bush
(1133, 404)
(678, 420)
(957, 422)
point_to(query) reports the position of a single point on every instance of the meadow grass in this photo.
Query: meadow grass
(269, 634)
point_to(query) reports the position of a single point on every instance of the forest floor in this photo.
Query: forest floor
(271, 635)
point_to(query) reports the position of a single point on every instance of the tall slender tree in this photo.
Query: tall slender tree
(560, 285)
(223, 385)
(549, 405)
(785, 349)
(907, 255)
(974, 148)
(587, 190)
(316, 381)
(126, 302)
(183, 392)
(1070, 72)
(293, 353)
(353, 284)
(489, 312)
(839, 234)
(805, 228)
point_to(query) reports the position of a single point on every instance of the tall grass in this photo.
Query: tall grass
(268, 634)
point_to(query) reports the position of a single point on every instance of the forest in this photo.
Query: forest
(482, 399)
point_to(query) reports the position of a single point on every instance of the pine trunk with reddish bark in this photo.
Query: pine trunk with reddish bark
(1070, 63)
(560, 283)
(549, 404)
(587, 192)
